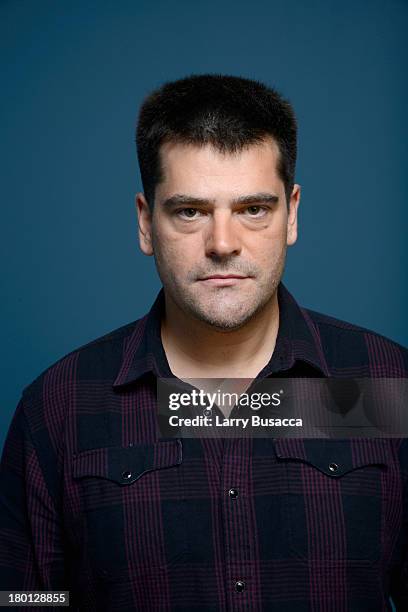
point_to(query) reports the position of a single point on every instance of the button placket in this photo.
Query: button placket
(237, 518)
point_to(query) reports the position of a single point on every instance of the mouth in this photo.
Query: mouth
(224, 280)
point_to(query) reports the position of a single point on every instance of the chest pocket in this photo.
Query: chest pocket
(132, 507)
(336, 494)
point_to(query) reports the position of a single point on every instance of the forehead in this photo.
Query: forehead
(186, 167)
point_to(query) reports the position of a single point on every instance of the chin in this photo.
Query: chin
(220, 313)
(228, 323)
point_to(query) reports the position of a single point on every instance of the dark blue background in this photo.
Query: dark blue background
(73, 76)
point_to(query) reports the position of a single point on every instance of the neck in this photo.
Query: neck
(194, 348)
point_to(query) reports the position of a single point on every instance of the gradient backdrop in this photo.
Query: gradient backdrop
(74, 73)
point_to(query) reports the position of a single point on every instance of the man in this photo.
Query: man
(94, 501)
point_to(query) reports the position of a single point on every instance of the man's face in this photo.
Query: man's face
(219, 230)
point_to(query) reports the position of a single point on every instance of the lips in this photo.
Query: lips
(223, 276)
(223, 280)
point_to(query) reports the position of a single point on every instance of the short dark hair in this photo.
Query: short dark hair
(227, 112)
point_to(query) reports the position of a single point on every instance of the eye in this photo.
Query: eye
(256, 211)
(187, 213)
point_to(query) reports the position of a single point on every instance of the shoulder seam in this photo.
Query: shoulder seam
(108, 337)
(348, 327)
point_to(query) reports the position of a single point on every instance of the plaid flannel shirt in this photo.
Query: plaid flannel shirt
(94, 502)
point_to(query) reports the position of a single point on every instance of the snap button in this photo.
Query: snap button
(233, 493)
(126, 475)
(239, 586)
(333, 467)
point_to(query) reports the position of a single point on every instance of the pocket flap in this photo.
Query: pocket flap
(334, 457)
(124, 465)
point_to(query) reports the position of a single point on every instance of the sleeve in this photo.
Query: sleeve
(31, 536)
(399, 578)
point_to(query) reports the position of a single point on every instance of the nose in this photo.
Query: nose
(223, 237)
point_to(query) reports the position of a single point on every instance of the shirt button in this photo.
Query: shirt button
(333, 467)
(239, 586)
(126, 475)
(233, 493)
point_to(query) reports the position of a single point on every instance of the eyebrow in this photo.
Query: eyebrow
(253, 198)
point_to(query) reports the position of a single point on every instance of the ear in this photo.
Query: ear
(291, 235)
(144, 218)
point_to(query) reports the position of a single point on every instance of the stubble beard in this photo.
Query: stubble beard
(231, 313)
(224, 309)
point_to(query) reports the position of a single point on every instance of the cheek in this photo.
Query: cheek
(268, 253)
(271, 240)
(175, 251)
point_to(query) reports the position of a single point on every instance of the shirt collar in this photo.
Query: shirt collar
(297, 341)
